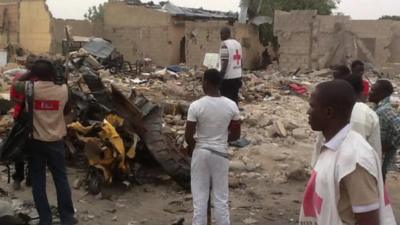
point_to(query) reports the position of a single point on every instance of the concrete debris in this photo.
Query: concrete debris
(280, 128)
(297, 172)
(250, 221)
(17, 212)
(129, 119)
(300, 133)
(237, 165)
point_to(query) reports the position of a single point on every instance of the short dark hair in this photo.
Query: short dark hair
(226, 30)
(385, 87)
(43, 68)
(342, 71)
(338, 94)
(356, 63)
(213, 76)
(356, 82)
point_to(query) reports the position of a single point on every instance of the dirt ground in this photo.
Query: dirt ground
(255, 199)
(267, 178)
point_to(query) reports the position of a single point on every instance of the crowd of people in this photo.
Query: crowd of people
(354, 148)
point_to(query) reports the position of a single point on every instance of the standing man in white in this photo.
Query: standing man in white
(231, 65)
(212, 121)
(346, 184)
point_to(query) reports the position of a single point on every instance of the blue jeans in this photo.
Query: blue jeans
(51, 154)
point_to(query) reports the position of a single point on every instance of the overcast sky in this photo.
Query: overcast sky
(357, 9)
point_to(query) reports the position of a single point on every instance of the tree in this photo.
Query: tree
(95, 13)
(324, 7)
(387, 17)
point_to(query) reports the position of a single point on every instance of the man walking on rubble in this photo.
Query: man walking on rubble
(212, 121)
(357, 68)
(47, 147)
(19, 99)
(341, 72)
(389, 120)
(231, 65)
(346, 185)
(363, 120)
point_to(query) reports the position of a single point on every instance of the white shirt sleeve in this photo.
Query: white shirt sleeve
(224, 52)
(375, 139)
(192, 113)
(236, 112)
(317, 148)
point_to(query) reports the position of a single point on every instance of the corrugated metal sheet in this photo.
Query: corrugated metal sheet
(99, 47)
(197, 13)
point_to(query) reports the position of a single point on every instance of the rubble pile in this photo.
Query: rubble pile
(120, 113)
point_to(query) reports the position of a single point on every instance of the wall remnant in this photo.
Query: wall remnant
(9, 23)
(34, 26)
(172, 37)
(167, 34)
(78, 28)
(311, 41)
(203, 37)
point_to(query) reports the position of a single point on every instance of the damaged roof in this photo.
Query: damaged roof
(197, 13)
(191, 13)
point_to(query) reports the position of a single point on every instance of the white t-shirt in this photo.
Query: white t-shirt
(232, 50)
(365, 121)
(213, 116)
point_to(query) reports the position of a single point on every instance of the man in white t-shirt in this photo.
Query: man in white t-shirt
(212, 121)
(231, 65)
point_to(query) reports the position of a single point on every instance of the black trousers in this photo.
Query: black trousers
(230, 88)
(19, 174)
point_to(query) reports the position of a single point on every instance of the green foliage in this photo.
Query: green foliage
(387, 17)
(95, 13)
(324, 7)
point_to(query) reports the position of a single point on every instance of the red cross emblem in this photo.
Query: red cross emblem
(237, 57)
(47, 105)
(312, 202)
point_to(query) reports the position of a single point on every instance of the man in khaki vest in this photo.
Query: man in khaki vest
(47, 147)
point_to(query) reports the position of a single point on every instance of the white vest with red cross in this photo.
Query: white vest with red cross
(234, 69)
(322, 192)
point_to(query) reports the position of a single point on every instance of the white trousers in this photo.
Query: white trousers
(209, 169)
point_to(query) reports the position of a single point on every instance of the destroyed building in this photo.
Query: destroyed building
(171, 34)
(28, 24)
(167, 34)
(311, 41)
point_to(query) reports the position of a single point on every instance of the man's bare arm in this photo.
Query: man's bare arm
(224, 66)
(234, 130)
(224, 54)
(368, 218)
(189, 135)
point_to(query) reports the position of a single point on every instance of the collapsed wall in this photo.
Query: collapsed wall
(171, 40)
(311, 41)
(136, 31)
(139, 32)
(9, 23)
(34, 26)
(203, 37)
